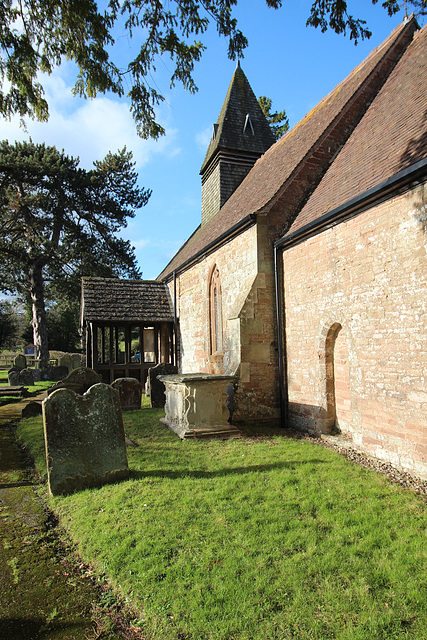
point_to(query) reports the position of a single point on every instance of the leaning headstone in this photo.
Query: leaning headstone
(85, 440)
(12, 378)
(156, 388)
(26, 377)
(79, 381)
(130, 392)
(54, 373)
(31, 410)
(22, 378)
(20, 362)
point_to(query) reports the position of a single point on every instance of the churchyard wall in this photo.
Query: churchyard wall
(356, 330)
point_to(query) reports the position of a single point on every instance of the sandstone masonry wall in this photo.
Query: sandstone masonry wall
(237, 265)
(246, 271)
(356, 330)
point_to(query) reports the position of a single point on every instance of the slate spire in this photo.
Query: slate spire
(239, 137)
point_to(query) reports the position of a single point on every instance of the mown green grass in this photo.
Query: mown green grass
(252, 539)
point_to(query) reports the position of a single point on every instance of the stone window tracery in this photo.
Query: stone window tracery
(215, 312)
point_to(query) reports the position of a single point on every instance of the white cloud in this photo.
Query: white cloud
(203, 138)
(89, 128)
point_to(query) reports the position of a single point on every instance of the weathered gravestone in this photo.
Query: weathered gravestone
(21, 378)
(85, 440)
(12, 376)
(156, 388)
(79, 381)
(37, 374)
(54, 373)
(71, 361)
(31, 410)
(20, 362)
(130, 392)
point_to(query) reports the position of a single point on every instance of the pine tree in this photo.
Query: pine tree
(278, 121)
(60, 222)
(37, 35)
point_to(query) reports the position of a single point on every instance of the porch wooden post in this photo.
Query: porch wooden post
(156, 344)
(94, 346)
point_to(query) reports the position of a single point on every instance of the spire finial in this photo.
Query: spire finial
(238, 64)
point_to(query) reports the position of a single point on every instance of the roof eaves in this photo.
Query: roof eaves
(401, 181)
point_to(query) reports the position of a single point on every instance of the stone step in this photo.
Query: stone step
(16, 392)
(213, 432)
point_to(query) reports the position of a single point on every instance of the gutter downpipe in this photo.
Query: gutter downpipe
(175, 328)
(281, 346)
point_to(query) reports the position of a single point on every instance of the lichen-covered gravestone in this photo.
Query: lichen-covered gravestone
(21, 378)
(84, 438)
(54, 373)
(79, 381)
(20, 362)
(130, 391)
(71, 361)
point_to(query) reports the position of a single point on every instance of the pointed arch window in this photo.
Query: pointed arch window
(215, 311)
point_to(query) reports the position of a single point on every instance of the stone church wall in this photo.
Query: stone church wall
(237, 266)
(356, 330)
(246, 271)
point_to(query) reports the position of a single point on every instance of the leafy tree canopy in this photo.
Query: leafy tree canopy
(60, 222)
(278, 121)
(8, 324)
(36, 35)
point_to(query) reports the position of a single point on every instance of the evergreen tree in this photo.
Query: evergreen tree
(8, 325)
(278, 121)
(60, 222)
(36, 35)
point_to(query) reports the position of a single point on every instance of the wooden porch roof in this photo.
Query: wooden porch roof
(122, 301)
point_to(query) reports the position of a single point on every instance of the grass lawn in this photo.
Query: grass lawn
(252, 539)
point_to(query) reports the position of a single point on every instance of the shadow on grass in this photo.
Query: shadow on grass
(198, 473)
(32, 628)
(15, 485)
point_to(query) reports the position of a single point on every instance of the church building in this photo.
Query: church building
(306, 279)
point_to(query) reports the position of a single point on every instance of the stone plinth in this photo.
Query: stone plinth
(198, 405)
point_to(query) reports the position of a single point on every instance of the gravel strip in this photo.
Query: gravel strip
(345, 448)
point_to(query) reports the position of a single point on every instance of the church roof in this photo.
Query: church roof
(391, 136)
(274, 173)
(241, 125)
(114, 300)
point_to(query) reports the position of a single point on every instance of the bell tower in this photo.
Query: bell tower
(239, 137)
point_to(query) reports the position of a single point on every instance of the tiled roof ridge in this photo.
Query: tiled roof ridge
(232, 210)
(381, 164)
(118, 279)
(323, 103)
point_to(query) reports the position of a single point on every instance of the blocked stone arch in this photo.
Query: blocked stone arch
(330, 330)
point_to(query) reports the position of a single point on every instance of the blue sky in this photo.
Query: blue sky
(292, 64)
